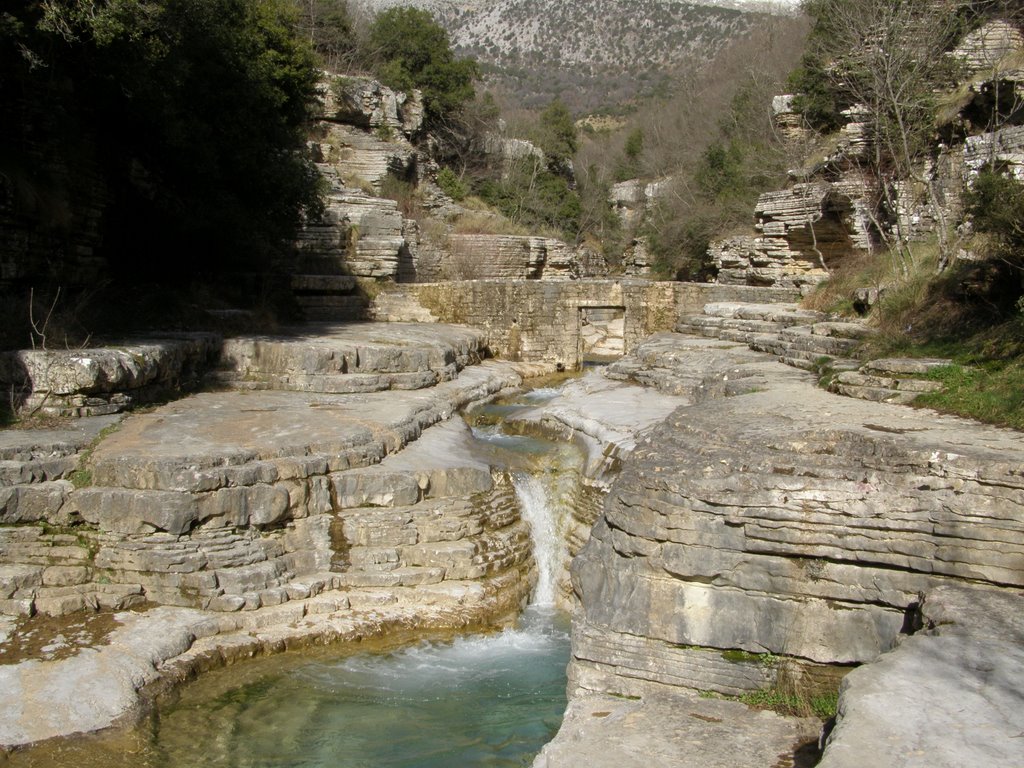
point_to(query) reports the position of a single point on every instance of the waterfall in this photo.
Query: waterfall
(539, 512)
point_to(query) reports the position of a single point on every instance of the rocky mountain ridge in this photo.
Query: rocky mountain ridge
(591, 54)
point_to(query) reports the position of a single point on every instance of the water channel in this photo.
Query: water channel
(482, 700)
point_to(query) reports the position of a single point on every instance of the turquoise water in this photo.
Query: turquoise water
(478, 701)
(487, 700)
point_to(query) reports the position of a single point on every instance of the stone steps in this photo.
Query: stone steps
(890, 380)
(801, 345)
(811, 341)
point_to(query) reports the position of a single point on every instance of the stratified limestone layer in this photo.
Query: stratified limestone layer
(225, 500)
(272, 520)
(779, 518)
(105, 380)
(947, 697)
(352, 357)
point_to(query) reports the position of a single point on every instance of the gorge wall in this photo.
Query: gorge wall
(745, 544)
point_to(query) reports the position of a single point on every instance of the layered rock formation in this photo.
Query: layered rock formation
(367, 103)
(99, 381)
(741, 546)
(226, 501)
(804, 231)
(838, 208)
(362, 138)
(510, 257)
(741, 525)
(281, 513)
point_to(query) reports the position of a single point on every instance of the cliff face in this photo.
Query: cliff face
(742, 526)
(844, 201)
(369, 145)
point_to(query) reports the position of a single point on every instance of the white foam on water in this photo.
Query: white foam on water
(539, 512)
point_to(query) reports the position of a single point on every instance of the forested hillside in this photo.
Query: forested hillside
(592, 54)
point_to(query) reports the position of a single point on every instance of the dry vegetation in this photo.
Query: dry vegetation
(712, 140)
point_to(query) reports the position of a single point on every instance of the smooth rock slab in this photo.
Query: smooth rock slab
(98, 686)
(947, 697)
(664, 731)
(197, 444)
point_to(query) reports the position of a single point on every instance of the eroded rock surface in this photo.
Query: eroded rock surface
(768, 533)
(947, 697)
(105, 380)
(743, 523)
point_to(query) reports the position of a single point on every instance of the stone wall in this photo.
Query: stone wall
(539, 321)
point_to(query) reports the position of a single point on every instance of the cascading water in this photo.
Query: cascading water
(483, 700)
(538, 511)
(486, 700)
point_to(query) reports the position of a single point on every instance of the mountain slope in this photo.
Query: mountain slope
(591, 53)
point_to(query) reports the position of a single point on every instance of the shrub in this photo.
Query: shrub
(996, 205)
(451, 184)
(413, 51)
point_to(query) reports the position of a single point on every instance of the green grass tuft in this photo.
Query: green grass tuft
(992, 392)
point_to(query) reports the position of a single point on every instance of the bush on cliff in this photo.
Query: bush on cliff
(411, 50)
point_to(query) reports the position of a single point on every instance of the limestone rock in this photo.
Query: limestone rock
(985, 47)
(512, 257)
(608, 732)
(804, 231)
(948, 696)
(633, 198)
(365, 157)
(789, 121)
(1004, 147)
(354, 358)
(366, 103)
(99, 381)
(358, 234)
(739, 523)
(513, 151)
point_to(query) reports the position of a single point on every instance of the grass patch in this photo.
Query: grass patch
(487, 223)
(824, 369)
(82, 477)
(986, 378)
(970, 313)
(735, 656)
(859, 270)
(822, 706)
(992, 392)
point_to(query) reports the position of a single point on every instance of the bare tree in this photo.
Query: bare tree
(889, 58)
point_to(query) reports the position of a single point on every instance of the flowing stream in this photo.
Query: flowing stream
(482, 700)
